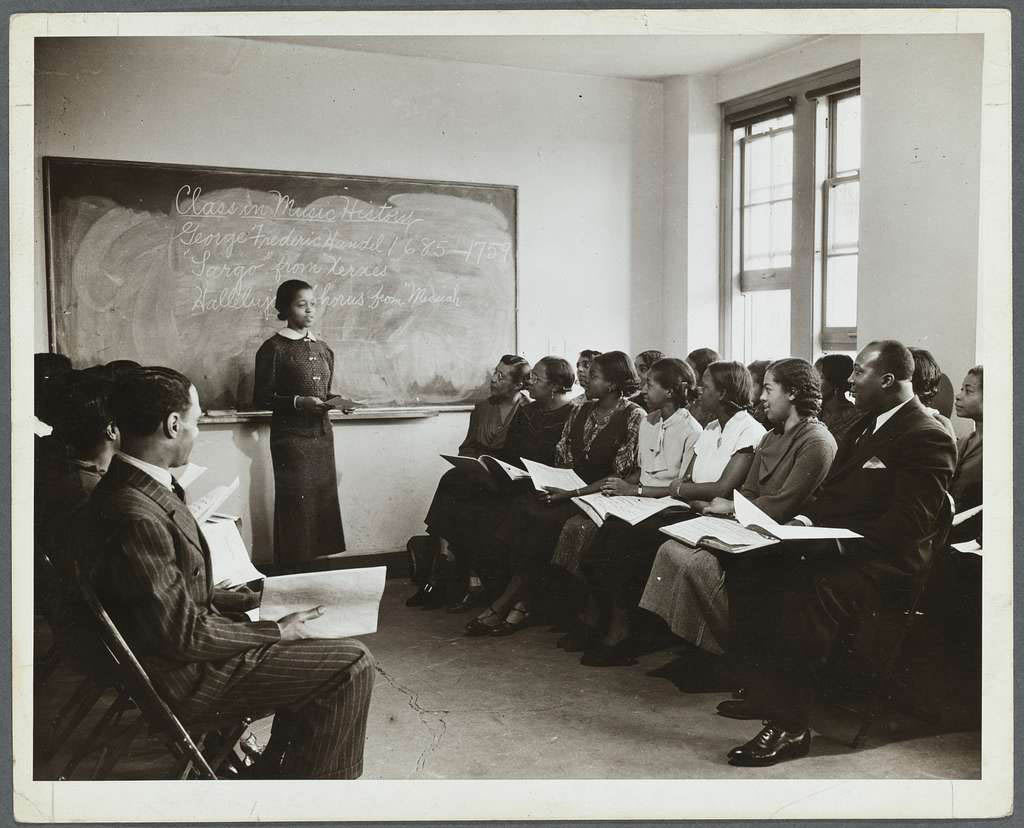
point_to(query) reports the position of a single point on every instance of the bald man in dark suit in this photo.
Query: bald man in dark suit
(151, 568)
(888, 483)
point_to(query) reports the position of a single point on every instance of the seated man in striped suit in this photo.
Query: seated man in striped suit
(151, 568)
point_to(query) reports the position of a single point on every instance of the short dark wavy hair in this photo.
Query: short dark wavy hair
(734, 379)
(893, 358)
(700, 359)
(646, 359)
(836, 370)
(618, 369)
(143, 399)
(85, 411)
(559, 372)
(286, 293)
(927, 374)
(798, 377)
(520, 367)
(676, 377)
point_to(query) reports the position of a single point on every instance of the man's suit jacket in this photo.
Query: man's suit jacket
(890, 487)
(151, 568)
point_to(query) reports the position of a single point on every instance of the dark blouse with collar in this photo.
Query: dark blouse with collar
(788, 466)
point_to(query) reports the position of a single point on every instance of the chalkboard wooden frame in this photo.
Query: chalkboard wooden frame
(241, 415)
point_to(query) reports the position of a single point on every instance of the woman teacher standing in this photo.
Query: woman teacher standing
(294, 371)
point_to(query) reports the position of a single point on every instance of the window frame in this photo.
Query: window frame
(835, 337)
(802, 278)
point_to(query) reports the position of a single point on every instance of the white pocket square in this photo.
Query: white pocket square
(874, 463)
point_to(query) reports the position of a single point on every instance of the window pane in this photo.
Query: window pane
(841, 292)
(843, 217)
(757, 235)
(847, 128)
(782, 233)
(782, 165)
(766, 324)
(758, 170)
(772, 123)
(736, 206)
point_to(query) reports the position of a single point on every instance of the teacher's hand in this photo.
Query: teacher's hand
(293, 625)
(311, 405)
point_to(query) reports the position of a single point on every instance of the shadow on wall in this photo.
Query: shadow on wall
(253, 443)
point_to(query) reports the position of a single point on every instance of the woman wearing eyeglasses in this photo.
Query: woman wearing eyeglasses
(488, 428)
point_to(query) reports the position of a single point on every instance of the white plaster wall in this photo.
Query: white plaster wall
(585, 152)
(691, 218)
(921, 122)
(789, 64)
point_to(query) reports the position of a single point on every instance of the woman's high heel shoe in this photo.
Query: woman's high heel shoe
(477, 627)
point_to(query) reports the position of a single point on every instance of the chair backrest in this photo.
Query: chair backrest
(132, 675)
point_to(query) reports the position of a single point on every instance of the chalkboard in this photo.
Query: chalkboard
(177, 265)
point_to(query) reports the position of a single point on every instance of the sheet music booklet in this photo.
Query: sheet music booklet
(751, 529)
(633, 510)
(486, 466)
(209, 503)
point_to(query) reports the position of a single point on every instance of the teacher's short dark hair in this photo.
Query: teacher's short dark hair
(676, 377)
(520, 366)
(893, 358)
(286, 293)
(619, 370)
(558, 372)
(143, 399)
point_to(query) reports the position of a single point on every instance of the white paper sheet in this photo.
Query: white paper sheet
(967, 513)
(350, 598)
(633, 510)
(209, 503)
(750, 515)
(512, 472)
(724, 530)
(971, 547)
(593, 506)
(228, 556)
(542, 476)
(187, 475)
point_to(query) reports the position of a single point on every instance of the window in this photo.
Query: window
(839, 209)
(790, 186)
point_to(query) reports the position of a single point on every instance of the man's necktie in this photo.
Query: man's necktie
(869, 428)
(180, 492)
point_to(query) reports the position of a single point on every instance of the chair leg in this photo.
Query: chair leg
(110, 719)
(234, 733)
(71, 714)
(882, 685)
(114, 750)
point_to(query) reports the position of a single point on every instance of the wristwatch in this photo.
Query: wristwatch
(640, 490)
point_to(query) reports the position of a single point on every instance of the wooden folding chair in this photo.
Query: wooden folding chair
(898, 612)
(155, 714)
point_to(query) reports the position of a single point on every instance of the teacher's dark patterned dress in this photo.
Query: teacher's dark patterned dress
(307, 517)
